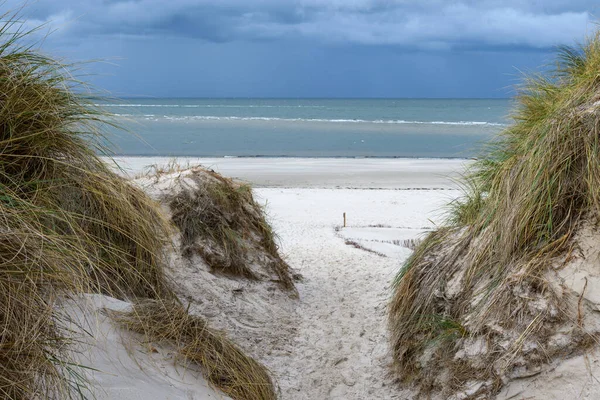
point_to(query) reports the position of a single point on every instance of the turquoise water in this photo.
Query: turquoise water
(306, 127)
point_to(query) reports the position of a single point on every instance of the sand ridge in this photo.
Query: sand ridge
(332, 342)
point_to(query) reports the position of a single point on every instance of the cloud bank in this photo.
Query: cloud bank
(421, 25)
(310, 48)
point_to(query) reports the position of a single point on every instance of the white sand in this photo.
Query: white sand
(115, 374)
(340, 349)
(332, 342)
(321, 172)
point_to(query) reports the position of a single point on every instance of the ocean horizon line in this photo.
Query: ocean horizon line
(144, 97)
(120, 155)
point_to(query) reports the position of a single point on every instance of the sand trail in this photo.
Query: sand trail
(339, 349)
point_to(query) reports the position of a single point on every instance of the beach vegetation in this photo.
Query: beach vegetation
(222, 363)
(223, 214)
(487, 268)
(70, 225)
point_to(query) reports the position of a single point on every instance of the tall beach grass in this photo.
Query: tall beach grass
(231, 225)
(522, 204)
(68, 225)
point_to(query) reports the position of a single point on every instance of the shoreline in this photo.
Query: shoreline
(260, 156)
(296, 172)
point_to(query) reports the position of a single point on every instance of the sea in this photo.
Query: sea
(245, 127)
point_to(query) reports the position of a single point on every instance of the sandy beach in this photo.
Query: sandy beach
(320, 201)
(332, 342)
(289, 172)
(335, 341)
(340, 350)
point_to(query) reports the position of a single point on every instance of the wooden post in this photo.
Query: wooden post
(344, 220)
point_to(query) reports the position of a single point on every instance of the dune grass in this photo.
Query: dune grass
(223, 364)
(68, 225)
(522, 204)
(224, 214)
(63, 225)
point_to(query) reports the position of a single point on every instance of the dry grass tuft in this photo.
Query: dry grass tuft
(223, 364)
(160, 170)
(223, 215)
(486, 270)
(68, 224)
(32, 275)
(125, 235)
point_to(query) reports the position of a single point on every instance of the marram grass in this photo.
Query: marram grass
(228, 219)
(522, 203)
(223, 364)
(68, 225)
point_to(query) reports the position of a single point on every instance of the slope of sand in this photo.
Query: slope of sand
(119, 367)
(332, 342)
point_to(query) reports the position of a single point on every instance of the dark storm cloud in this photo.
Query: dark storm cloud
(310, 48)
(426, 24)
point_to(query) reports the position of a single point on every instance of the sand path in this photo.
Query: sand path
(332, 342)
(340, 349)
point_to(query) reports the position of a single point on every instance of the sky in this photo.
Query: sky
(309, 48)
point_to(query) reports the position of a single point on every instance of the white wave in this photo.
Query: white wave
(136, 105)
(134, 115)
(208, 105)
(357, 121)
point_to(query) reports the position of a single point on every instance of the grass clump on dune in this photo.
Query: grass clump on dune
(486, 270)
(230, 224)
(223, 364)
(32, 276)
(68, 224)
(48, 146)
(64, 227)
